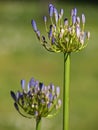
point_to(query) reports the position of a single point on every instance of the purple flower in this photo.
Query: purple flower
(34, 25)
(51, 10)
(38, 101)
(53, 40)
(75, 11)
(63, 35)
(23, 84)
(73, 19)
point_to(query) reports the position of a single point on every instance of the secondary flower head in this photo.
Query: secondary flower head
(37, 100)
(63, 35)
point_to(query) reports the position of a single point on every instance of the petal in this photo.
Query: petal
(34, 25)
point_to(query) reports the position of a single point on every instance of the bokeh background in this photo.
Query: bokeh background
(22, 57)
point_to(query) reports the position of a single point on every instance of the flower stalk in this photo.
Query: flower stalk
(38, 124)
(66, 84)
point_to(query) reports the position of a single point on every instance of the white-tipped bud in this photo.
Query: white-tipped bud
(59, 103)
(66, 22)
(78, 32)
(61, 12)
(78, 20)
(57, 91)
(88, 35)
(45, 19)
(83, 18)
(56, 15)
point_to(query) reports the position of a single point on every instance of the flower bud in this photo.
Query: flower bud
(73, 19)
(83, 18)
(45, 19)
(57, 91)
(23, 84)
(56, 14)
(75, 11)
(38, 34)
(51, 10)
(88, 35)
(78, 20)
(66, 22)
(78, 32)
(34, 25)
(61, 12)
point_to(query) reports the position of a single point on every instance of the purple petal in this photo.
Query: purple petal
(50, 33)
(23, 84)
(73, 19)
(75, 11)
(34, 25)
(50, 96)
(51, 10)
(32, 83)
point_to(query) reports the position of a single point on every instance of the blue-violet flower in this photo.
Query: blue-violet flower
(37, 100)
(63, 35)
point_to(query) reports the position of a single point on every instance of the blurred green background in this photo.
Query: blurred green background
(22, 57)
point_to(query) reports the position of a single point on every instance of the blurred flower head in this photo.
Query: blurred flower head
(37, 100)
(63, 35)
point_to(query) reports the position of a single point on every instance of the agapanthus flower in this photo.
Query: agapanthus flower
(63, 35)
(37, 100)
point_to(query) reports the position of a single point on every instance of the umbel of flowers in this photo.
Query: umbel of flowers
(37, 100)
(63, 34)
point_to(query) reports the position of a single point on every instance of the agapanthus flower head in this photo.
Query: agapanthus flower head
(63, 35)
(37, 100)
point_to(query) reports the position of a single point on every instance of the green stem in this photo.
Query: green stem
(66, 91)
(38, 124)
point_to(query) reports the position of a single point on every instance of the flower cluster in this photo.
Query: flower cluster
(37, 100)
(63, 35)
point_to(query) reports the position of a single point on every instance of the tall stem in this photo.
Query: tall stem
(38, 124)
(66, 91)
